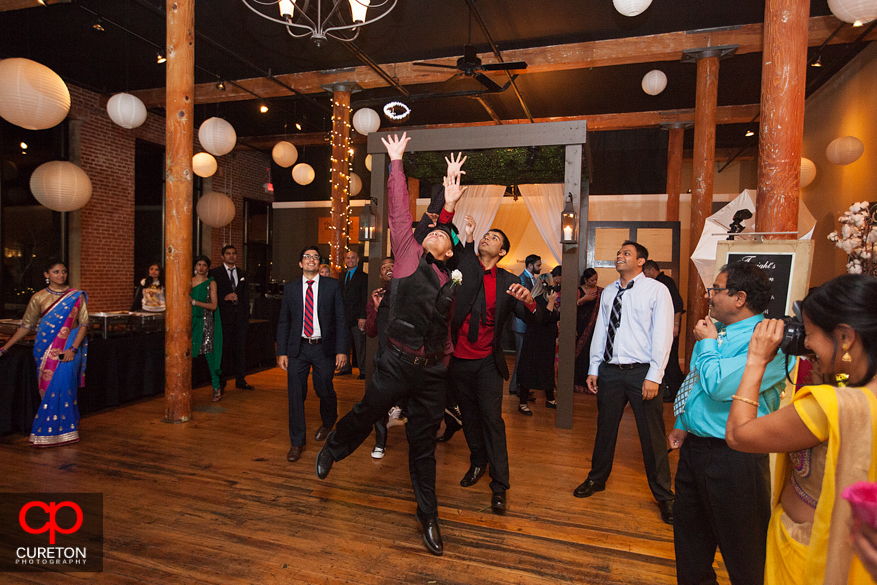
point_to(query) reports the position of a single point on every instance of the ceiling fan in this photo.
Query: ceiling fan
(470, 66)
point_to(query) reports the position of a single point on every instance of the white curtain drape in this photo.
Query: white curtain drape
(482, 203)
(545, 203)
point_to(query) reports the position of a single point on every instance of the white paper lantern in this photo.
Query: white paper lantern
(808, 171)
(215, 209)
(126, 110)
(217, 136)
(844, 150)
(204, 164)
(366, 120)
(861, 11)
(32, 96)
(654, 82)
(303, 174)
(355, 184)
(631, 7)
(284, 154)
(60, 185)
(368, 162)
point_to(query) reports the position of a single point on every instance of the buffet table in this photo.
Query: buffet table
(120, 369)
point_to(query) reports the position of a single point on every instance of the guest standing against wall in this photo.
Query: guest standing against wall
(354, 289)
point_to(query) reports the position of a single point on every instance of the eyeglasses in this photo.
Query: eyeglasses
(714, 289)
(311, 257)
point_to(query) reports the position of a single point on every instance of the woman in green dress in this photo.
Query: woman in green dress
(206, 331)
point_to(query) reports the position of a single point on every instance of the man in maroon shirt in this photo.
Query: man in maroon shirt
(487, 297)
(413, 363)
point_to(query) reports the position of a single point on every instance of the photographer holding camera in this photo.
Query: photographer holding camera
(536, 370)
(722, 495)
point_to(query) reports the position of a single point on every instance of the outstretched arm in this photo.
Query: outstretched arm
(453, 192)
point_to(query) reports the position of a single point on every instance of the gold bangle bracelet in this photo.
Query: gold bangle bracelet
(746, 400)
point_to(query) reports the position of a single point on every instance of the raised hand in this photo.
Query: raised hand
(453, 192)
(454, 166)
(396, 146)
(469, 228)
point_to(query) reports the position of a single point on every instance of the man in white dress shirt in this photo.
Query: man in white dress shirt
(629, 351)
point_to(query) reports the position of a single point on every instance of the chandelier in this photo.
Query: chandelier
(310, 18)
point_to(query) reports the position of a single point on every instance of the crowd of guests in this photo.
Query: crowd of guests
(439, 315)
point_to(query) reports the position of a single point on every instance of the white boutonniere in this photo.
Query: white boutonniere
(457, 277)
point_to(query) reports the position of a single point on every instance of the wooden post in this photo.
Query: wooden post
(178, 214)
(674, 170)
(413, 195)
(340, 173)
(704, 165)
(783, 82)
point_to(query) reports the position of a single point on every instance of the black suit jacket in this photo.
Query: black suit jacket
(228, 311)
(330, 312)
(355, 293)
(506, 305)
(678, 303)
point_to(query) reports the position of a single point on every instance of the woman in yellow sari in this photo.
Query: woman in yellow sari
(827, 436)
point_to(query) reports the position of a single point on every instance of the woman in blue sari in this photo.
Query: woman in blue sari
(60, 316)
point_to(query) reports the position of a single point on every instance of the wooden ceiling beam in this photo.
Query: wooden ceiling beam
(654, 119)
(6, 5)
(623, 51)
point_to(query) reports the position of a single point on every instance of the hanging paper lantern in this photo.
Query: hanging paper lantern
(284, 154)
(366, 120)
(217, 136)
(368, 162)
(355, 184)
(631, 7)
(204, 164)
(126, 110)
(303, 173)
(32, 96)
(215, 209)
(854, 11)
(654, 82)
(60, 186)
(844, 150)
(808, 171)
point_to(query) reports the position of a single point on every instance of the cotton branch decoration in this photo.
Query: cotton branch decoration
(858, 238)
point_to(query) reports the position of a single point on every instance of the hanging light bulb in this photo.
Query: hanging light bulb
(263, 108)
(750, 133)
(159, 58)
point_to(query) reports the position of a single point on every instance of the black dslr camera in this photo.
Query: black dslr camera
(793, 336)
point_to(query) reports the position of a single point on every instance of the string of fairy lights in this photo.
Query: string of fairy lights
(340, 190)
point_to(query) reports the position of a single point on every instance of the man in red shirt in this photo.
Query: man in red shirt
(487, 297)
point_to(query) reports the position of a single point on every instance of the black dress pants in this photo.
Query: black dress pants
(234, 350)
(310, 357)
(615, 388)
(424, 389)
(478, 388)
(722, 499)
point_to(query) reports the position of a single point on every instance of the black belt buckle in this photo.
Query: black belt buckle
(313, 341)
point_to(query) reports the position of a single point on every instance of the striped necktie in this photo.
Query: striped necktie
(309, 310)
(614, 321)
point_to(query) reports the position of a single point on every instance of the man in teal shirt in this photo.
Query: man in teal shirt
(722, 495)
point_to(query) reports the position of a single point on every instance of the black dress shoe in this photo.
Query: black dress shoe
(587, 489)
(344, 372)
(245, 386)
(472, 476)
(446, 436)
(324, 462)
(666, 507)
(322, 433)
(361, 377)
(432, 537)
(497, 502)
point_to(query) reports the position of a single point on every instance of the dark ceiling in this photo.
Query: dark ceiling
(232, 43)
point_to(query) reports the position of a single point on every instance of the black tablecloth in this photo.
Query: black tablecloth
(119, 369)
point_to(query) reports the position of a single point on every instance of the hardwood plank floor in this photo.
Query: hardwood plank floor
(215, 501)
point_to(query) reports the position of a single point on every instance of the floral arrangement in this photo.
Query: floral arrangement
(858, 238)
(457, 277)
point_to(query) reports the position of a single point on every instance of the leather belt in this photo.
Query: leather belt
(625, 366)
(312, 340)
(417, 360)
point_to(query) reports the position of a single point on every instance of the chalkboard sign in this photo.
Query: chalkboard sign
(779, 268)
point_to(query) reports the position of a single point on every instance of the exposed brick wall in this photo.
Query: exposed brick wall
(107, 235)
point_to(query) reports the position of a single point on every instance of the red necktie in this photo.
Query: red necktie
(309, 310)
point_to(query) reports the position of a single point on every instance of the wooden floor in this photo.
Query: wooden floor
(215, 501)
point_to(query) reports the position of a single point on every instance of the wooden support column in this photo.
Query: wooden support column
(178, 211)
(704, 165)
(674, 170)
(340, 172)
(413, 195)
(781, 131)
